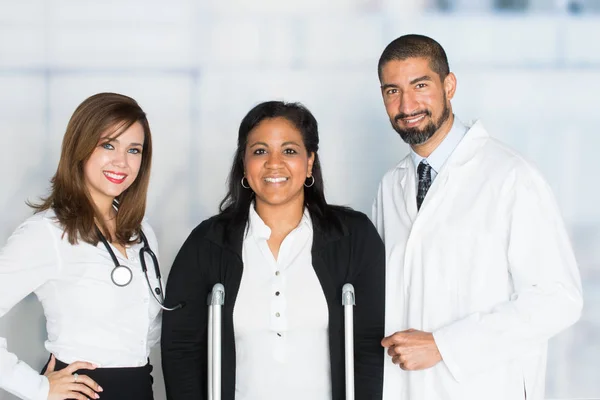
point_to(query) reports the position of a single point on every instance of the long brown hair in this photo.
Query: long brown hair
(70, 198)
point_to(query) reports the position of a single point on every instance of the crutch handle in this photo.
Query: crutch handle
(348, 298)
(217, 296)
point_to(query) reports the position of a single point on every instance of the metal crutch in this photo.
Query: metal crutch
(349, 301)
(216, 299)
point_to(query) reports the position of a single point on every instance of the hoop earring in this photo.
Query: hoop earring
(311, 183)
(245, 187)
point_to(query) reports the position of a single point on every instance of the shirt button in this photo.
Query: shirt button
(276, 273)
(277, 315)
(277, 293)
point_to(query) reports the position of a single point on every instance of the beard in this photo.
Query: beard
(416, 136)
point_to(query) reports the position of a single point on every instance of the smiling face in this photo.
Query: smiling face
(277, 164)
(114, 164)
(416, 99)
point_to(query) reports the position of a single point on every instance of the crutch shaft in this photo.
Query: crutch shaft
(348, 300)
(215, 303)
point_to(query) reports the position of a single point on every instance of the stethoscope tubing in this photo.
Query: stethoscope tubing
(158, 292)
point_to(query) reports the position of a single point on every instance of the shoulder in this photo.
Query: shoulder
(398, 168)
(209, 227)
(357, 233)
(395, 174)
(509, 164)
(42, 223)
(350, 218)
(506, 170)
(40, 229)
(218, 230)
(494, 151)
(355, 225)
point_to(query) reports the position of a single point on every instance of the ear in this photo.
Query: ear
(450, 85)
(311, 161)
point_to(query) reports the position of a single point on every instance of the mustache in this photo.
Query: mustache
(414, 114)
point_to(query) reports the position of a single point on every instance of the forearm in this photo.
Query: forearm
(370, 320)
(368, 370)
(19, 378)
(183, 347)
(184, 376)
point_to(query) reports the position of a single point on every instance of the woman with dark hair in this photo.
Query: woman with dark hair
(283, 255)
(80, 253)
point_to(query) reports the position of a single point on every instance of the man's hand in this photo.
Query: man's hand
(413, 350)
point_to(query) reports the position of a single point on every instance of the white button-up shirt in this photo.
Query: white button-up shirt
(280, 319)
(88, 317)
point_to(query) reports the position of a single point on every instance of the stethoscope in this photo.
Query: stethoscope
(122, 275)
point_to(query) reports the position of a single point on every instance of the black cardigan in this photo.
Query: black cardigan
(352, 253)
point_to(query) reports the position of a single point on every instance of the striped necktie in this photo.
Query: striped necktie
(424, 173)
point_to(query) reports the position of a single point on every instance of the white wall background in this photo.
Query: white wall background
(197, 66)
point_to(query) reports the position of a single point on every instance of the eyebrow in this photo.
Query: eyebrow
(107, 139)
(388, 86)
(282, 144)
(422, 78)
(259, 144)
(419, 79)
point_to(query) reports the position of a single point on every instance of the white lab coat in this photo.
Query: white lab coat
(486, 265)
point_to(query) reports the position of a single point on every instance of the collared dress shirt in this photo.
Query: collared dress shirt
(281, 319)
(88, 317)
(439, 156)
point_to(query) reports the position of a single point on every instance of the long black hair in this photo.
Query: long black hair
(236, 203)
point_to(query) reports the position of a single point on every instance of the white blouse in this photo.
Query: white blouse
(88, 317)
(281, 319)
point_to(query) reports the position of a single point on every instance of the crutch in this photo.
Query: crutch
(348, 301)
(216, 298)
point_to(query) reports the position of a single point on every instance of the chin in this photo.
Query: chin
(275, 200)
(115, 193)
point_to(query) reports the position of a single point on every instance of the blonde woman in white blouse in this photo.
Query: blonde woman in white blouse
(86, 266)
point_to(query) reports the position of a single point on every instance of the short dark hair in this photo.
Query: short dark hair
(236, 202)
(411, 46)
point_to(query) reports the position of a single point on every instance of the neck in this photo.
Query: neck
(106, 210)
(281, 219)
(425, 149)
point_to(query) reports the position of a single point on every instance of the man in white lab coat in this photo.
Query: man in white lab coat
(480, 271)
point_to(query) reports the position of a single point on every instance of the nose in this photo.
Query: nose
(273, 160)
(408, 103)
(120, 158)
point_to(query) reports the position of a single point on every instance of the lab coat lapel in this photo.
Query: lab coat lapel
(408, 191)
(475, 137)
(450, 170)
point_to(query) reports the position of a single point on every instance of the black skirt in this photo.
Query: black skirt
(133, 383)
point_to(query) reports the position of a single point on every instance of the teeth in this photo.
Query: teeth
(115, 176)
(410, 121)
(276, 180)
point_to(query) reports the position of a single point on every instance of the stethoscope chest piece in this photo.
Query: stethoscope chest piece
(121, 275)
